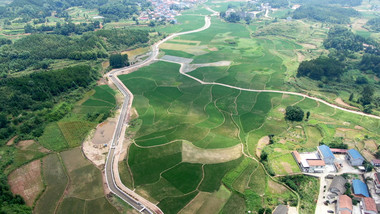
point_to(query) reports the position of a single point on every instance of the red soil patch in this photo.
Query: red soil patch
(27, 182)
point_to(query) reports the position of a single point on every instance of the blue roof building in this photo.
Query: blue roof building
(360, 188)
(326, 154)
(354, 157)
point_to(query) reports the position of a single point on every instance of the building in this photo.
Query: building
(375, 162)
(309, 162)
(360, 188)
(337, 185)
(376, 181)
(368, 206)
(344, 205)
(316, 165)
(354, 157)
(281, 209)
(326, 154)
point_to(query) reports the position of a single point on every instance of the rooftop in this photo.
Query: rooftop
(345, 202)
(369, 204)
(355, 154)
(377, 177)
(333, 150)
(338, 183)
(297, 156)
(376, 161)
(360, 188)
(326, 152)
(281, 209)
(316, 162)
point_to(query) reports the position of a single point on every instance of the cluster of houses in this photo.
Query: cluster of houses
(324, 159)
(360, 193)
(166, 10)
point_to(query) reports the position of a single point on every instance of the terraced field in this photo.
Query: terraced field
(175, 110)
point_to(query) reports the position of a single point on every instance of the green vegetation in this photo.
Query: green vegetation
(307, 187)
(56, 180)
(118, 60)
(72, 129)
(374, 24)
(294, 113)
(325, 13)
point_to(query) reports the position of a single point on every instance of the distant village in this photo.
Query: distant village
(166, 10)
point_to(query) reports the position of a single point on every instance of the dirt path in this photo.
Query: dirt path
(342, 103)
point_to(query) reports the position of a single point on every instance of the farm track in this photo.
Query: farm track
(111, 168)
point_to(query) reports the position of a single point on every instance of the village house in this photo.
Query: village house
(344, 205)
(281, 209)
(368, 206)
(354, 157)
(309, 162)
(326, 154)
(360, 188)
(377, 182)
(375, 162)
(337, 185)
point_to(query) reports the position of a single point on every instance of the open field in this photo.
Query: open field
(74, 187)
(56, 180)
(27, 182)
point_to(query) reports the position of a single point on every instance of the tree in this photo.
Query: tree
(263, 156)
(294, 113)
(118, 60)
(367, 95)
(351, 97)
(307, 115)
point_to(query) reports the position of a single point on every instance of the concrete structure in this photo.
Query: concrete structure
(309, 162)
(360, 188)
(337, 185)
(375, 162)
(326, 154)
(354, 157)
(281, 209)
(376, 181)
(344, 204)
(368, 206)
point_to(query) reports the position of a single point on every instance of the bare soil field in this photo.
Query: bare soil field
(27, 181)
(196, 203)
(31, 145)
(342, 103)
(104, 132)
(193, 154)
(261, 144)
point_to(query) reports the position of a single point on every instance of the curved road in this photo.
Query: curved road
(136, 201)
(131, 197)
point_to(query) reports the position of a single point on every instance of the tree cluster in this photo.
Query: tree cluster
(374, 24)
(342, 39)
(119, 60)
(321, 68)
(294, 113)
(325, 13)
(65, 29)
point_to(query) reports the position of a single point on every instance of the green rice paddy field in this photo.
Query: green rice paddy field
(174, 108)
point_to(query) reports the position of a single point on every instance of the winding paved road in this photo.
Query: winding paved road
(112, 178)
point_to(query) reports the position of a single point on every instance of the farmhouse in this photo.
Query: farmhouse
(360, 188)
(375, 162)
(337, 185)
(326, 154)
(344, 205)
(377, 182)
(368, 206)
(354, 157)
(338, 151)
(309, 162)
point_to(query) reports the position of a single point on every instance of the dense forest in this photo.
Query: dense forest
(37, 51)
(345, 3)
(29, 9)
(325, 13)
(26, 102)
(374, 24)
